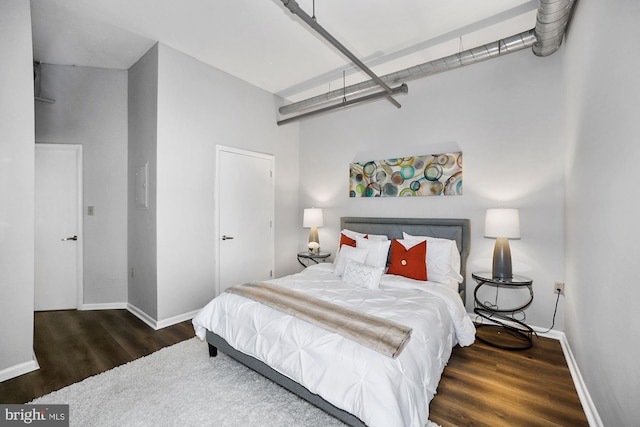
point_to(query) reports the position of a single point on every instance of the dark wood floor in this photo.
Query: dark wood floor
(481, 385)
(73, 345)
(486, 386)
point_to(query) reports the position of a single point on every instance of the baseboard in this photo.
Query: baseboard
(104, 306)
(588, 407)
(159, 324)
(150, 321)
(177, 319)
(583, 393)
(19, 369)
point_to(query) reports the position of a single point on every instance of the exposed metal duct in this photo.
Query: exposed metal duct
(551, 23)
(403, 88)
(471, 56)
(293, 6)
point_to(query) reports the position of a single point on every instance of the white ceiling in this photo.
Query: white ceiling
(261, 42)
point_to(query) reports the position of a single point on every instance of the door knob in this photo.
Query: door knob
(70, 238)
(227, 238)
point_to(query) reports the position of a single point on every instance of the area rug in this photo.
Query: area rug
(182, 386)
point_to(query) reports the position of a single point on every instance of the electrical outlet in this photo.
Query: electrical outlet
(558, 288)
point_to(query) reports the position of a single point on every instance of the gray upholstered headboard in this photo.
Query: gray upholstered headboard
(446, 228)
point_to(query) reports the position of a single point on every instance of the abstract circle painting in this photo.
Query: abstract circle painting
(426, 175)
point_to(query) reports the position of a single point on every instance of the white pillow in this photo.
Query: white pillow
(362, 275)
(345, 254)
(443, 258)
(378, 251)
(353, 234)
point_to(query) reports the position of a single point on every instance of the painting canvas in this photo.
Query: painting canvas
(427, 175)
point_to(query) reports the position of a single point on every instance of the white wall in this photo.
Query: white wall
(186, 173)
(91, 110)
(143, 128)
(505, 115)
(17, 156)
(197, 107)
(603, 244)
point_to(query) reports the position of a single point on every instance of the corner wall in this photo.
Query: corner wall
(179, 110)
(17, 190)
(602, 206)
(198, 108)
(142, 225)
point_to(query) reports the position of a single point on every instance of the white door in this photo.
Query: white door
(58, 246)
(245, 216)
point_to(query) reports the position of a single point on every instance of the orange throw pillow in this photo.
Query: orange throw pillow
(344, 240)
(409, 263)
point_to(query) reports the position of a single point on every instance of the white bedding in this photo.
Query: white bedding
(379, 390)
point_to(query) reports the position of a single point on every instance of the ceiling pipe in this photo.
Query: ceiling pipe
(551, 21)
(471, 56)
(403, 88)
(293, 6)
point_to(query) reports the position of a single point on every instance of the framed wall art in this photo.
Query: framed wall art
(426, 175)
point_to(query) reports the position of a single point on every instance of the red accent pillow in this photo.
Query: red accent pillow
(409, 263)
(344, 240)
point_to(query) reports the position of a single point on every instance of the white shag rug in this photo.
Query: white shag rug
(182, 386)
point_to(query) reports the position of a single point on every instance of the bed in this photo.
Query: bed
(359, 381)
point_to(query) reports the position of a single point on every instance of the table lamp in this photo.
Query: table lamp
(502, 225)
(313, 219)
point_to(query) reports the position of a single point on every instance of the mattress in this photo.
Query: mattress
(379, 390)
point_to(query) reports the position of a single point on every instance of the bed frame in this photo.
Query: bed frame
(454, 229)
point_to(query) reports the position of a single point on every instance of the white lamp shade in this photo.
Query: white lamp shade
(312, 218)
(502, 223)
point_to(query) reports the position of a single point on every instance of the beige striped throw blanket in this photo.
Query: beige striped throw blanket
(381, 335)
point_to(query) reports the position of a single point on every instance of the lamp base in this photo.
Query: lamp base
(313, 235)
(502, 259)
(314, 241)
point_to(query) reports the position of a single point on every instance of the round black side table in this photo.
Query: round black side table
(509, 332)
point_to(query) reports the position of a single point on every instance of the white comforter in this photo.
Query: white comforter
(379, 390)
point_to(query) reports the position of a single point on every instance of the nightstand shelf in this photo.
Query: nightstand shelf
(307, 258)
(505, 331)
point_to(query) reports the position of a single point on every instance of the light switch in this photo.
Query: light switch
(90, 210)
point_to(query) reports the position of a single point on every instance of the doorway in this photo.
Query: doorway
(245, 221)
(58, 228)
